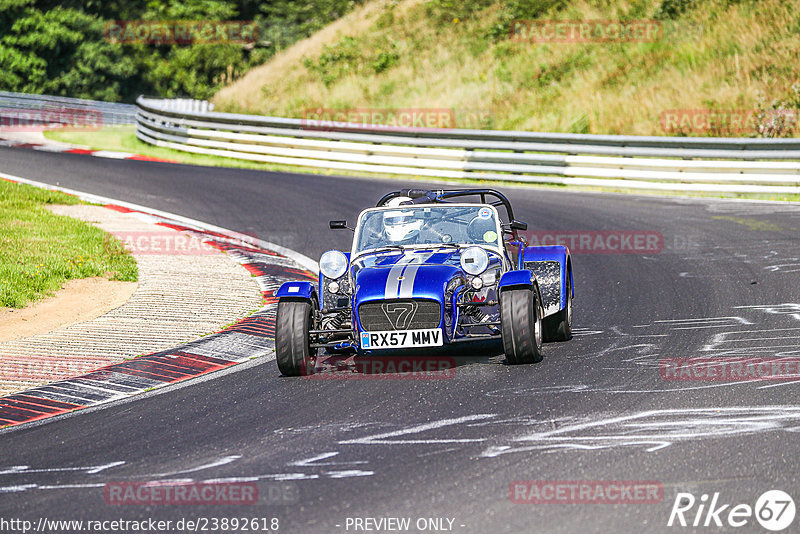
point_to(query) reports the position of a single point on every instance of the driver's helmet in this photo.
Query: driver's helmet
(400, 225)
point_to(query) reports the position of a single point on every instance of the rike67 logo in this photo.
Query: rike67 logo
(774, 510)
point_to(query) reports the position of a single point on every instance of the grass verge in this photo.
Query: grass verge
(39, 250)
(123, 139)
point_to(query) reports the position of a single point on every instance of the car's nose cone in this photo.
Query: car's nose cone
(403, 281)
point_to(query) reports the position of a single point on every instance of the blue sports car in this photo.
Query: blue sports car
(429, 270)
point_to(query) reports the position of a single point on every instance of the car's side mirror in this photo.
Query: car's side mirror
(519, 225)
(339, 225)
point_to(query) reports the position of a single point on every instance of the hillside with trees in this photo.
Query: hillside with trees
(59, 47)
(717, 67)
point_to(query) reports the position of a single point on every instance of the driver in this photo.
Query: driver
(400, 226)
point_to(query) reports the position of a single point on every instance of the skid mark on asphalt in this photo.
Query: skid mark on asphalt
(776, 341)
(791, 267)
(90, 470)
(330, 427)
(549, 390)
(580, 332)
(317, 460)
(646, 431)
(697, 323)
(225, 460)
(387, 437)
(790, 309)
(656, 429)
(776, 255)
(21, 478)
(768, 331)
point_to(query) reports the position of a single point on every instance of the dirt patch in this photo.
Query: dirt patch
(77, 301)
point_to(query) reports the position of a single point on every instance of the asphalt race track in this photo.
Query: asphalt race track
(725, 283)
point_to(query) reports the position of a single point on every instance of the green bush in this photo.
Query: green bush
(62, 52)
(336, 60)
(521, 10)
(58, 47)
(534, 9)
(672, 9)
(346, 56)
(447, 11)
(385, 61)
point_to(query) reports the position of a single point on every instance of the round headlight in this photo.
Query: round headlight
(333, 264)
(474, 260)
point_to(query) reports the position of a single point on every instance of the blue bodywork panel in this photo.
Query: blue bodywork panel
(520, 278)
(551, 265)
(404, 281)
(417, 275)
(298, 290)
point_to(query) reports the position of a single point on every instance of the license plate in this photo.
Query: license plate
(402, 339)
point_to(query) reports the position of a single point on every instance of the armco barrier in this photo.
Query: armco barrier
(746, 165)
(110, 112)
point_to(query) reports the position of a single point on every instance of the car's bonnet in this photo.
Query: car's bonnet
(413, 274)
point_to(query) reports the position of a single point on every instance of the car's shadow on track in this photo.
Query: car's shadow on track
(428, 364)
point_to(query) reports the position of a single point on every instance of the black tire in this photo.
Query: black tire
(521, 324)
(558, 327)
(292, 352)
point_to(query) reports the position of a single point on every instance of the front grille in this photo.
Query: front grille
(409, 314)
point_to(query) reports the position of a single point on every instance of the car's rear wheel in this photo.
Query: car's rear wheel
(558, 327)
(292, 351)
(521, 324)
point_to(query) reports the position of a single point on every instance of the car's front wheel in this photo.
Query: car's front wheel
(521, 324)
(292, 325)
